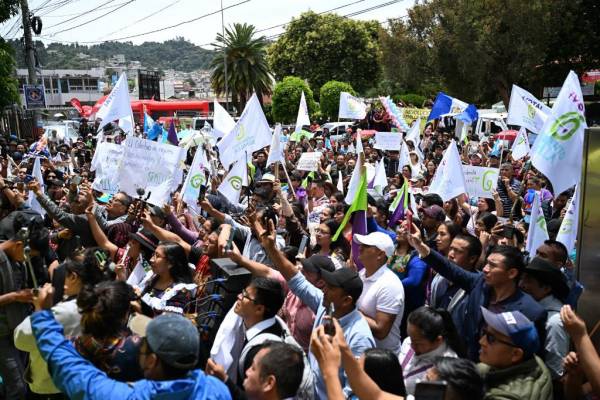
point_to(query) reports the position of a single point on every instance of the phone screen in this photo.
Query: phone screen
(303, 243)
(430, 391)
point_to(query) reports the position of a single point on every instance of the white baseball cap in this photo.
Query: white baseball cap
(377, 239)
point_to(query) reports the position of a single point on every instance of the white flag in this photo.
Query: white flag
(538, 233)
(404, 157)
(520, 147)
(340, 182)
(526, 111)
(558, 150)
(222, 121)
(231, 187)
(449, 180)
(251, 133)
(275, 153)
(380, 181)
(570, 223)
(351, 107)
(126, 123)
(116, 105)
(302, 118)
(414, 135)
(196, 177)
(37, 174)
(354, 183)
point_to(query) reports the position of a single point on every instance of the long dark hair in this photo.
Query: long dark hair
(180, 270)
(437, 322)
(383, 367)
(341, 242)
(104, 307)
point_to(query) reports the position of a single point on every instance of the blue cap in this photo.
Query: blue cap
(174, 339)
(517, 326)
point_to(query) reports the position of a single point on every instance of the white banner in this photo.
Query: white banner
(302, 118)
(538, 232)
(222, 121)
(570, 223)
(351, 107)
(521, 146)
(388, 141)
(480, 181)
(149, 165)
(106, 162)
(116, 105)
(558, 150)
(251, 133)
(196, 177)
(449, 180)
(526, 111)
(309, 161)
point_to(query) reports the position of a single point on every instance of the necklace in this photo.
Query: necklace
(398, 263)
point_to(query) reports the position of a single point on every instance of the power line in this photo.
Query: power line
(81, 14)
(93, 19)
(143, 19)
(77, 13)
(152, 31)
(58, 6)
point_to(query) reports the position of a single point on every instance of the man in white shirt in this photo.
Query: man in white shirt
(382, 299)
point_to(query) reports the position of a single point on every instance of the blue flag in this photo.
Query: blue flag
(445, 104)
(155, 131)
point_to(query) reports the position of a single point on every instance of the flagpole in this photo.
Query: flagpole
(289, 181)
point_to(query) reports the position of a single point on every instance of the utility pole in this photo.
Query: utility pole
(29, 54)
(224, 56)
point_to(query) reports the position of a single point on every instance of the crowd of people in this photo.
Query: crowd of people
(100, 293)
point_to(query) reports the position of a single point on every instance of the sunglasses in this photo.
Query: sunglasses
(492, 338)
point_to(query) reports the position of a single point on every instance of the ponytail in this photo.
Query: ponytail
(434, 323)
(450, 334)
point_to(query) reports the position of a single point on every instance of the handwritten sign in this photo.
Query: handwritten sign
(480, 181)
(309, 161)
(149, 165)
(106, 162)
(388, 141)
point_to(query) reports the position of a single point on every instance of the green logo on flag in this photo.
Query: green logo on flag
(566, 125)
(241, 134)
(197, 180)
(486, 183)
(566, 227)
(530, 111)
(235, 182)
(541, 222)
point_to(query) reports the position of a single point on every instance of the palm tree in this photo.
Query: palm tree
(247, 68)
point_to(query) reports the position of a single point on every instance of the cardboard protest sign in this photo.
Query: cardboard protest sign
(309, 161)
(106, 162)
(388, 141)
(480, 181)
(151, 166)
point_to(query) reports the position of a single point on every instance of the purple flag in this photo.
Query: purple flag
(172, 135)
(402, 205)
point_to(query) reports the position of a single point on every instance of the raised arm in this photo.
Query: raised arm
(98, 234)
(165, 235)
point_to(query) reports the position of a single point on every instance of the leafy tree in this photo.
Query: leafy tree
(286, 98)
(411, 98)
(320, 48)
(9, 92)
(8, 8)
(247, 68)
(330, 97)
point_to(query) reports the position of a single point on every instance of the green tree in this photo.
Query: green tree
(286, 99)
(247, 68)
(9, 92)
(330, 98)
(320, 48)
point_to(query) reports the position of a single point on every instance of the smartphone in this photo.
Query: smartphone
(426, 390)
(202, 193)
(76, 180)
(28, 178)
(328, 320)
(409, 220)
(229, 245)
(303, 243)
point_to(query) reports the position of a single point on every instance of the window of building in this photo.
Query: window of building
(76, 85)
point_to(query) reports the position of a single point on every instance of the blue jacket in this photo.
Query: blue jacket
(79, 379)
(479, 295)
(373, 226)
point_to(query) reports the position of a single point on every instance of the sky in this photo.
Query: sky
(133, 17)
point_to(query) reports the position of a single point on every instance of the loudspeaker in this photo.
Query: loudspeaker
(220, 294)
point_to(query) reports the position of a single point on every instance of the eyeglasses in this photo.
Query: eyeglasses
(322, 232)
(246, 296)
(491, 338)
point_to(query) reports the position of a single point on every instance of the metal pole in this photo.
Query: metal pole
(29, 54)
(224, 57)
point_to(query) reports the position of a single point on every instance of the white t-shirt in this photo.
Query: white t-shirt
(383, 291)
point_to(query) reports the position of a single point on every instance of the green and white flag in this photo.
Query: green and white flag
(520, 147)
(558, 150)
(568, 228)
(302, 119)
(538, 233)
(527, 111)
(232, 184)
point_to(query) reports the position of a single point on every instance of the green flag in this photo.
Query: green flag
(358, 204)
